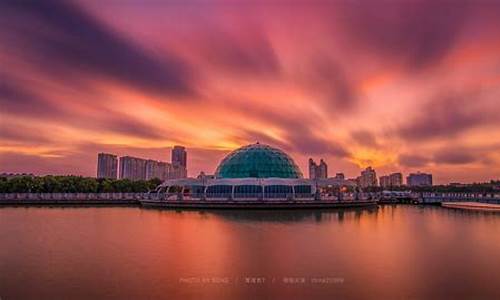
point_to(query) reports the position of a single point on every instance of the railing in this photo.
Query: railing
(260, 197)
(70, 197)
(460, 197)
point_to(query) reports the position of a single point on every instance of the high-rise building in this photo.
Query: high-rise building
(177, 172)
(396, 179)
(164, 169)
(318, 171)
(157, 169)
(419, 179)
(392, 180)
(107, 166)
(385, 181)
(179, 157)
(322, 170)
(132, 168)
(312, 169)
(135, 168)
(179, 163)
(368, 178)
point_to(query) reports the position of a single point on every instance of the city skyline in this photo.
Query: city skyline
(399, 87)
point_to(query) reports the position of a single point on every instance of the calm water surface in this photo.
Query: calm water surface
(392, 252)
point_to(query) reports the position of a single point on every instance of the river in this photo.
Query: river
(389, 252)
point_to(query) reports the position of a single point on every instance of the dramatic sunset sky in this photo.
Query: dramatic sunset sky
(398, 85)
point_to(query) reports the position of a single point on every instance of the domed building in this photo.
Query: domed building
(258, 161)
(252, 172)
(253, 176)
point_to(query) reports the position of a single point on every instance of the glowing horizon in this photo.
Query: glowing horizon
(401, 86)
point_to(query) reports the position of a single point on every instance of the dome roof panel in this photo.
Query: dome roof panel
(258, 160)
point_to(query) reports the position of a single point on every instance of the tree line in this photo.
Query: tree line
(74, 184)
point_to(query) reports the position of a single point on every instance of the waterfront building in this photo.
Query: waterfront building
(179, 162)
(157, 169)
(385, 181)
(339, 176)
(107, 166)
(151, 169)
(177, 172)
(252, 172)
(396, 179)
(135, 168)
(318, 171)
(368, 178)
(164, 169)
(179, 156)
(391, 180)
(419, 179)
(312, 169)
(132, 168)
(322, 169)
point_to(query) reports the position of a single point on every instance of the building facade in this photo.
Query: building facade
(135, 168)
(318, 171)
(396, 179)
(368, 178)
(312, 169)
(340, 176)
(392, 180)
(419, 179)
(179, 163)
(179, 156)
(132, 168)
(107, 166)
(385, 181)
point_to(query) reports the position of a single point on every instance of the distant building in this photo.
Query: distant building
(179, 163)
(340, 176)
(177, 172)
(164, 169)
(158, 169)
(107, 166)
(12, 175)
(322, 169)
(318, 171)
(419, 179)
(392, 180)
(368, 178)
(132, 168)
(385, 181)
(312, 169)
(179, 156)
(396, 179)
(202, 175)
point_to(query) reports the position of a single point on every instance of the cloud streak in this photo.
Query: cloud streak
(61, 39)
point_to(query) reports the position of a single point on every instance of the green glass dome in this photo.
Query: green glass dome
(257, 160)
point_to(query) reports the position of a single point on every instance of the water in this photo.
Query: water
(392, 252)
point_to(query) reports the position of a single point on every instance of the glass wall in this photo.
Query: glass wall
(303, 191)
(258, 161)
(247, 191)
(277, 191)
(219, 191)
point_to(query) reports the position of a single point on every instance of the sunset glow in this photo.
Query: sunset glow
(396, 85)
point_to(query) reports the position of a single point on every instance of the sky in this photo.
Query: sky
(397, 85)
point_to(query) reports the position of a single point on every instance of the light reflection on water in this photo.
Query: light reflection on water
(387, 252)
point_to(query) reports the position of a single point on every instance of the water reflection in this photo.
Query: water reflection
(284, 216)
(390, 252)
